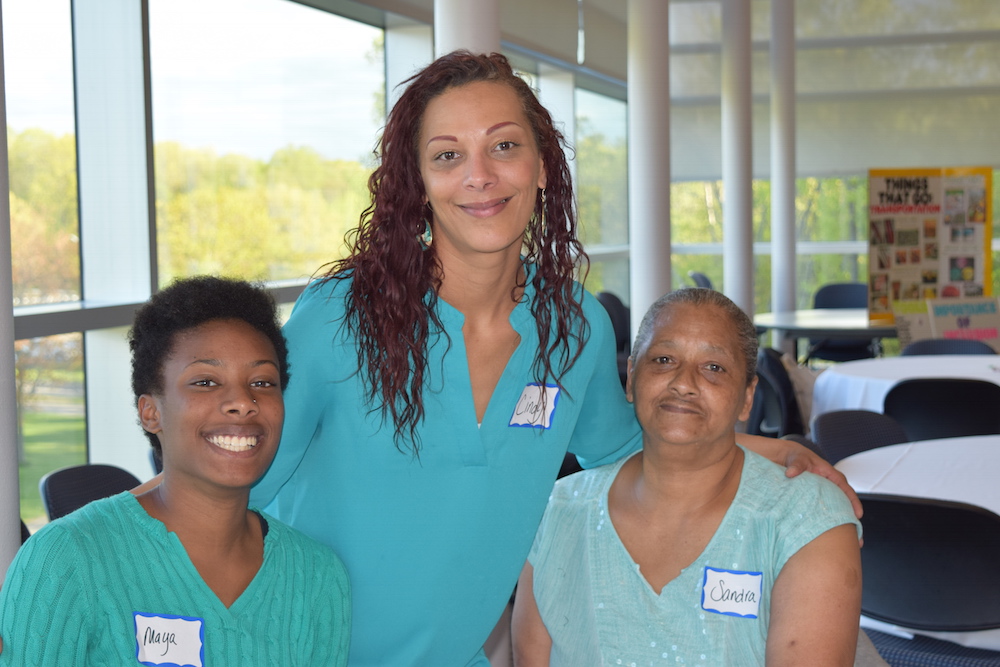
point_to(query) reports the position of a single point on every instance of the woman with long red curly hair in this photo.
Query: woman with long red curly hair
(445, 367)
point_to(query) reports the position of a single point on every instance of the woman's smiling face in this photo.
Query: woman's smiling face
(220, 414)
(689, 382)
(481, 169)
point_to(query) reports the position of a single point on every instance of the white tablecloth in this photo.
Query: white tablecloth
(956, 469)
(862, 385)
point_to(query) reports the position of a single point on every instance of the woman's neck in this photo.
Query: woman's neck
(485, 286)
(684, 479)
(213, 521)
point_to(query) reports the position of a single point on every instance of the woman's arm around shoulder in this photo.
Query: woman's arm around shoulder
(816, 603)
(798, 459)
(607, 429)
(532, 643)
(310, 334)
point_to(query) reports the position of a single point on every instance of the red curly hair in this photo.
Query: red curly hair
(391, 305)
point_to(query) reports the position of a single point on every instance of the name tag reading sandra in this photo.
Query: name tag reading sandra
(731, 592)
(169, 641)
(536, 406)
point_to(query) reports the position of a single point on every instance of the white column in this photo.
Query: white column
(737, 168)
(648, 154)
(557, 93)
(409, 47)
(783, 285)
(466, 24)
(114, 149)
(10, 493)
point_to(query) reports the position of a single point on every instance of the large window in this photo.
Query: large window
(602, 189)
(45, 241)
(265, 114)
(38, 71)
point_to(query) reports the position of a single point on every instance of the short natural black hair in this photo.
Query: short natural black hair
(186, 304)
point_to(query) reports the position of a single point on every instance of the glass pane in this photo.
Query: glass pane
(38, 70)
(265, 114)
(609, 275)
(50, 419)
(601, 169)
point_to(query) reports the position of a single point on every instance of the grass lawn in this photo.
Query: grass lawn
(51, 441)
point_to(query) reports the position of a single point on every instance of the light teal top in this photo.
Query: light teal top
(434, 544)
(600, 610)
(108, 585)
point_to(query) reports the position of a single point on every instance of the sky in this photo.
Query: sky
(235, 76)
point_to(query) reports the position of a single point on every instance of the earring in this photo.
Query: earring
(541, 218)
(427, 237)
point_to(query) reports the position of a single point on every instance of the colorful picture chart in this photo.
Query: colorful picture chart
(929, 236)
(972, 318)
(968, 319)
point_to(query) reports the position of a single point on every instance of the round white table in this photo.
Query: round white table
(825, 323)
(957, 469)
(862, 385)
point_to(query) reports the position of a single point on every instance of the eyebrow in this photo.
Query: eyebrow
(216, 362)
(489, 131)
(669, 345)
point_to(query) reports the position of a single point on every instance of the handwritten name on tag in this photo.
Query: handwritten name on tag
(536, 406)
(731, 592)
(169, 641)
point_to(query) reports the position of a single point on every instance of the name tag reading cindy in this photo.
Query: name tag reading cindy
(169, 641)
(536, 406)
(731, 592)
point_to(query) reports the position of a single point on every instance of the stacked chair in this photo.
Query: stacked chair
(946, 346)
(841, 433)
(931, 408)
(932, 566)
(71, 488)
(841, 295)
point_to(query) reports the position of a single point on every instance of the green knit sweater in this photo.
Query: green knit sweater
(109, 585)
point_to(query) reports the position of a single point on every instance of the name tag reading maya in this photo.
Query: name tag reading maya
(164, 640)
(536, 406)
(731, 593)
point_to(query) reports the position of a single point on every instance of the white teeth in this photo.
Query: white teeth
(234, 443)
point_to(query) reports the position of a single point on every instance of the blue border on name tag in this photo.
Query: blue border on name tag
(704, 582)
(555, 402)
(201, 638)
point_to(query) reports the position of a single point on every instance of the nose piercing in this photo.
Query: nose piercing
(255, 400)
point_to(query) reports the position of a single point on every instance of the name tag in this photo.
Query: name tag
(732, 593)
(536, 406)
(169, 641)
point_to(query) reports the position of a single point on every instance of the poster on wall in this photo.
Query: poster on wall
(968, 318)
(929, 236)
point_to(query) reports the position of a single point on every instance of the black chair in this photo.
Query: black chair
(931, 408)
(805, 441)
(775, 412)
(700, 279)
(569, 466)
(621, 323)
(71, 488)
(841, 295)
(946, 346)
(841, 433)
(920, 651)
(155, 461)
(930, 565)
(25, 533)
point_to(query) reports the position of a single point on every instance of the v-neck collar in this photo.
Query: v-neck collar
(618, 544)
(158, 532)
